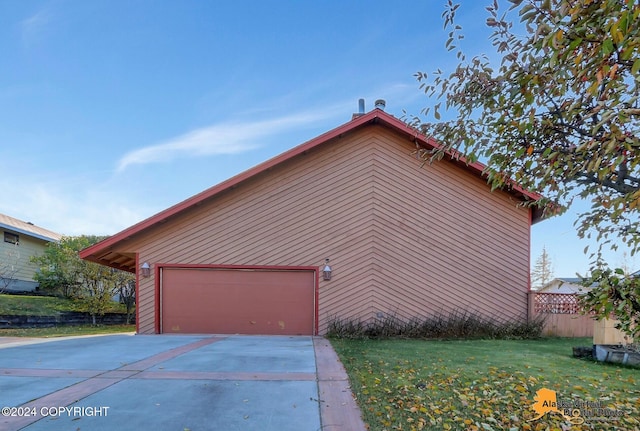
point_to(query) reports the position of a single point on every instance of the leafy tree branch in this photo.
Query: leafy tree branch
(559, 116)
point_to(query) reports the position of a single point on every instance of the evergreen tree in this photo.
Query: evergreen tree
(542, 271)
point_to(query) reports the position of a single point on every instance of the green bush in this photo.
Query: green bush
(456, 324)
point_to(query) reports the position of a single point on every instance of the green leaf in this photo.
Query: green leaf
(520, 152)
(635, 67)
(607, 46)
(526, 8)
(624, 20)
(574, 44)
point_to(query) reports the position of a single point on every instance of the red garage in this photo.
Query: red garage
(246, 255)
(237, 300)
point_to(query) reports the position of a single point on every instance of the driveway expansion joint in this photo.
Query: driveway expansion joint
(337, 408)
(97, 380)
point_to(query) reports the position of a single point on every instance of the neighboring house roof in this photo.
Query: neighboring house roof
(565, 285)
(28, 228)
(573, 280)
(102, 252)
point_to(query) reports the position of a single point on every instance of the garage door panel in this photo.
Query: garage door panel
(238, 301)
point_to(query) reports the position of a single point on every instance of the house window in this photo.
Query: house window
(11, 238)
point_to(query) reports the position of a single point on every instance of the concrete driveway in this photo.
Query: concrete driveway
(176, 383)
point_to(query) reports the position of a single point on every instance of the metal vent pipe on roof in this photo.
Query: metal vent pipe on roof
(360, 106)
(380, 104)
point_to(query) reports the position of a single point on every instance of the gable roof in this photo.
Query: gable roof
(28, 228)
(102, 252)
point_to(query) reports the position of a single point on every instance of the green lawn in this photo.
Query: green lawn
(483, 384)
(66, 331)
(23, 305)
(44, 305)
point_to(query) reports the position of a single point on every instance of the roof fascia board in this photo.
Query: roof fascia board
(453, 155)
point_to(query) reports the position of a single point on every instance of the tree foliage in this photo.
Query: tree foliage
(560, 114)
(127, 292)
(61, 271)
(542, 272)
(617, 296)
(59, 266)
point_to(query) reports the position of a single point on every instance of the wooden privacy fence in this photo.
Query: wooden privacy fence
(562, 314)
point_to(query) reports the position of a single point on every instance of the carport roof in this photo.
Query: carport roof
(105, 252)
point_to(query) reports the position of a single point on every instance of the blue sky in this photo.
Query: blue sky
(113, 110)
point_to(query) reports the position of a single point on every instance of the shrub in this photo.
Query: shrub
(456, 324)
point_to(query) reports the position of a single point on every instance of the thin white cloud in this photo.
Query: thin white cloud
(68, 209)
(33, 27)
(84, 202)
(224, 138)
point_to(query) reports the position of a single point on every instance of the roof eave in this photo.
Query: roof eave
(478, 168)
(29, 233)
